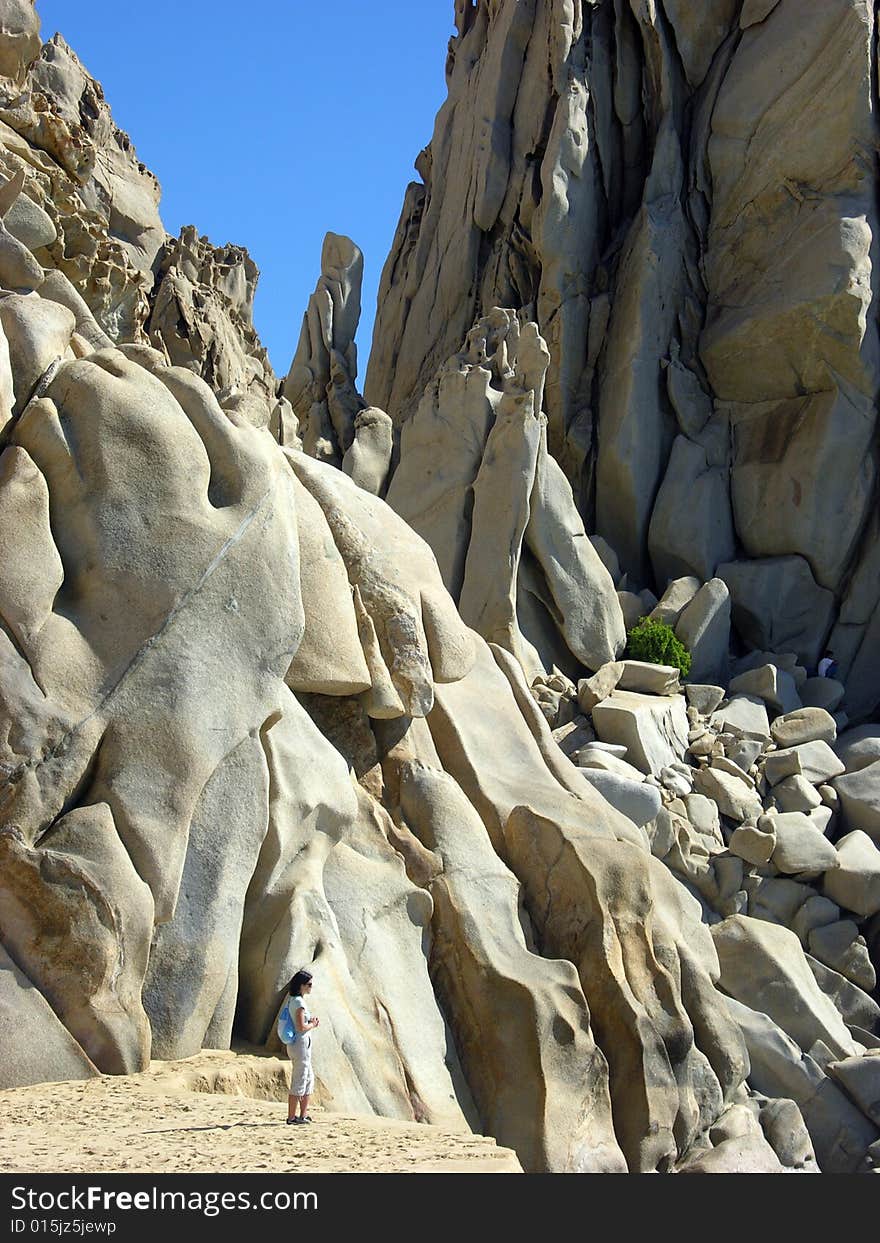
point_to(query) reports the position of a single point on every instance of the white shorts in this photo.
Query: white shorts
(302, 1077)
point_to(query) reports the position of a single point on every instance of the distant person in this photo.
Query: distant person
(828, 665)
(299, 1049)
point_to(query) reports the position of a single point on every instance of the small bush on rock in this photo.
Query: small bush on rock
(655, 642)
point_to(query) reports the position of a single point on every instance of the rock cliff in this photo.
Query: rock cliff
(289, 679)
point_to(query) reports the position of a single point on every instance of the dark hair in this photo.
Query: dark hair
(295, 986)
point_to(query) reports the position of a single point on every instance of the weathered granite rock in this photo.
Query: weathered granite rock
(840, 947)
(499, 497)
(691, 528)
(733, 795)
(743, 716)
(368, 458)
(859, 747)
(653, 729)
(202, 318)
(855, 884)
(800, 847)
(777, 605)
(860, 1079)
(637, 800)
(796, 794)
(839, 1130)
(815, 913)
(860, 799)
(774, 686)
(44, 1048)
(703, 697)
(484, 968)
(593, 690)
(675, 598)
(753, 844)
(704, 629)
(320, 384)
(763, 966)
(815, 761)
(648, 679)
(804, 725)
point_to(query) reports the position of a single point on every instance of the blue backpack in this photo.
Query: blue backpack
(286, 1029)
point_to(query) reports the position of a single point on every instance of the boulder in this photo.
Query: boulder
(839, 1131)
(653, 729)
(840, 947)
(637, 800)
(704, 629)
(824, 693)
(763, 967)
(745, 716)
(796, 794)
(704, 698)
(860, 1079)
(817, 763)
(855, 883)
(815, 913)
(777, 605)
(800, 847)
(804, 725)
(774, 686)
(858, 1009)
(860, 799)
(593, 690)
(782, 765)
(859, 747)
(649, 679)
(752, 844)
(734, 797)
(675, 599)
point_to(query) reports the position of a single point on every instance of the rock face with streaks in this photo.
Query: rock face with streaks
(683, 199)
(255, 717)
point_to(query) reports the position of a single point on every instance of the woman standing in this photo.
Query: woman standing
(302, 1077)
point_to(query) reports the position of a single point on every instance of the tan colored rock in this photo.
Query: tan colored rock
(860, 799)
(652, 728)
(648, 679)
(800, 846)
(320, 384)
(44, 1048)
(593, 690)
(753, 955)
(675, 599)
(486, 967)
(420, 635)
(704, 629)
(368, 457)
(804, 725)
(855, 885)
(753, 844)
(839, 946)
(774, 686)
(734, 797)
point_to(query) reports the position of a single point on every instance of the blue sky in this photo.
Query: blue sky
(268, 134)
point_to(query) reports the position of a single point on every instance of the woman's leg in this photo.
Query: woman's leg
(303, 1105)
(292, 1103)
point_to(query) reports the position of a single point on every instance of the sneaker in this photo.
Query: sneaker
(291, 1121)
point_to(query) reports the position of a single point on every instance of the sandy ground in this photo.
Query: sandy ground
(216, 1113)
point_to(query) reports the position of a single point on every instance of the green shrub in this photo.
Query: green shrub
(655, 642)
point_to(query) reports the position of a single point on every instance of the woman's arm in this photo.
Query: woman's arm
(299, 1020)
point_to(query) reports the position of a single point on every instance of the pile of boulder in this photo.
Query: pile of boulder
(766, 807)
